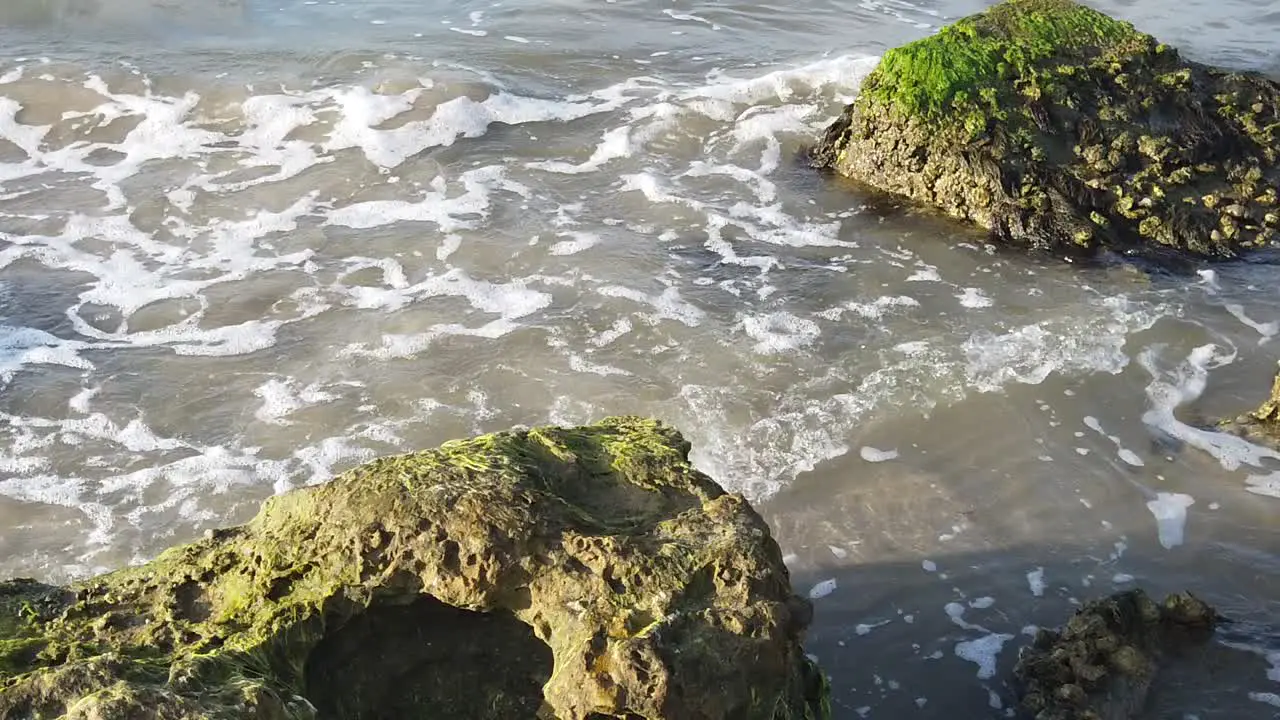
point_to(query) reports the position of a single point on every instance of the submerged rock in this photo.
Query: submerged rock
(1263, 424)
(1102, 664)
(1055, 126)
(567, 574)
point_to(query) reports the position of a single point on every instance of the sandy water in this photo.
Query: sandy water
(247, 245)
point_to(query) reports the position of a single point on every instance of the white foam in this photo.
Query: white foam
(282, 397)
(448, 213)
(929, 566)
(974, 298)
(1130, 457)
(578, 242)
(1184, 384)
(1268, 698)
(1126, 455)
(822, 589)
(866, 628)
(1031, 353)
(668, 304)
(876, 309)
(1170, 511)
(982, 603)
(924, 273)
(615, 144)
(780, 332)
(1035, 581)
(674, 15)
(362, 112)
(874, 455)
(843, 73)
(1267, 330)
(955, 611)
(21, 346)
(1265, 485)
(983, 652)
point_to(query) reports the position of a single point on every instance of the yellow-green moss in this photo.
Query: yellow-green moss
(966, 72)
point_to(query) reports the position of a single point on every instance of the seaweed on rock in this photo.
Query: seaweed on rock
(1055, 126)
(551, 573)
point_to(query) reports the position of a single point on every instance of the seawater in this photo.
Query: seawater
(247, 245)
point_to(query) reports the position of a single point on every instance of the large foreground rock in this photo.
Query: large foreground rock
(1102, 664)
(574, 574)
(1055, 126)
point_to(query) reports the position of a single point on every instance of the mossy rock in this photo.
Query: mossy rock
(568, 574)
(1102, 664)
(1057, 127)
(1263, 424)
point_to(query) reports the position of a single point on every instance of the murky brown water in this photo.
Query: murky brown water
(244, 246)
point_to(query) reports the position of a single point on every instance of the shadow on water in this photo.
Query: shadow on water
(890, 635)
(966, 542)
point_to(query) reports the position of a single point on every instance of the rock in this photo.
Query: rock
(567, 574)
(1263, 424)
(1056, 127)
(1102, 664)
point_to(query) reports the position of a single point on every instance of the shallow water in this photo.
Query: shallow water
(244, 246)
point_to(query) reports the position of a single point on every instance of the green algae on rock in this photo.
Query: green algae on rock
(567, 574)
(1102, 664)
(1055, 126)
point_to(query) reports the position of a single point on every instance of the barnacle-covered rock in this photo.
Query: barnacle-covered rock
(1055, 126)
(1102, 664)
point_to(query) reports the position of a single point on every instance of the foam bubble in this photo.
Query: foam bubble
(579, 242)
(282, 397)
(983, 652)
(1170, 390)
(1265, 485)
(974, 298)
(668, 304)
(876, 309)
(1268, 698)
(822, 589)
(20, 346)
(866, 628)
(1035, 581)
(615, 143)
(780, 332)
(1031, 353)
(1170, 511)
(874, 455)
(1266, 330)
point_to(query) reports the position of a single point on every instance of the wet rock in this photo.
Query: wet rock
(1263, 424)
(1102, 664)
(1057, 127)
(568, 574)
